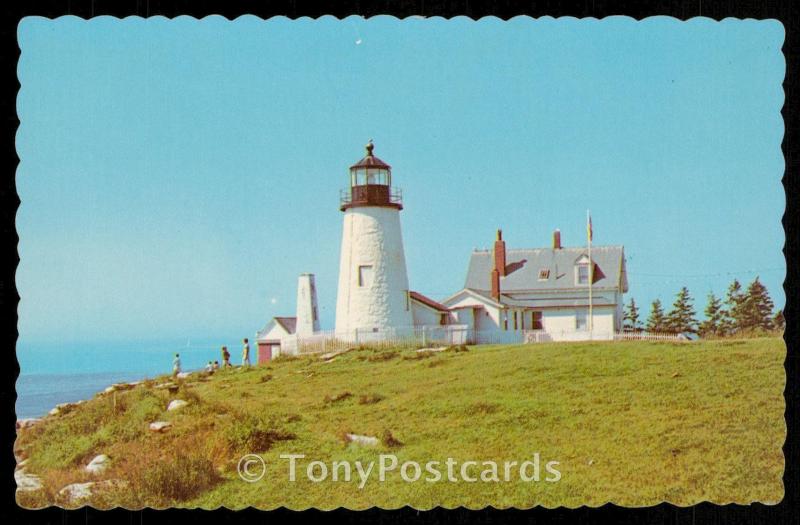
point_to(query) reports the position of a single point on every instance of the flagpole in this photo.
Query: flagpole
(591, 272)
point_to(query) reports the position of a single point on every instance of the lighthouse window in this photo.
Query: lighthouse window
(365, 276)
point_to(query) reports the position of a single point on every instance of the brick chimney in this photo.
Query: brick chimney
(496, 285)
(500, 254)
(499, 269)
(557, 239)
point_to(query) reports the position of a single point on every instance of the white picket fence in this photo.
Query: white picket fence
(433, 336)
(332, 341)
(647, 336)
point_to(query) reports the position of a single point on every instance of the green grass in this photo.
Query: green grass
(634, 423)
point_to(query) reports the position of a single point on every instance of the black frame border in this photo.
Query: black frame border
(784, 512)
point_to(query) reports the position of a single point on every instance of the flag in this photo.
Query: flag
(589, 228)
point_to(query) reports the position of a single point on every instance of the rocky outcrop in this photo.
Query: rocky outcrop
(364, 441)
(98, 465)
(26, 423)
(27, 481)
(175, 404)
(160, 426)
(77, 493)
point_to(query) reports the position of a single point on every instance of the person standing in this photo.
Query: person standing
(176, 365)
(226, 357)
(246, 353)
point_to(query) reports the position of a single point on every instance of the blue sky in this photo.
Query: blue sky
(177, 175)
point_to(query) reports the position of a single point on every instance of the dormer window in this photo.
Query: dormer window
(582, 271)
(544, 274)
(582, 277)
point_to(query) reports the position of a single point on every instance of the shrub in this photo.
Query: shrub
(370, 399)
(389, 440)
(382, 356)
(255, 435)
(181, 479)
(338, 397)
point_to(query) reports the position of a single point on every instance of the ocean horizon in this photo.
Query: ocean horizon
(53, 373)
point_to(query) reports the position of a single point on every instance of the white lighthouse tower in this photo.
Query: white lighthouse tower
(373, 293)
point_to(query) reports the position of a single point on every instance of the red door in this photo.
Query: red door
(264, 352)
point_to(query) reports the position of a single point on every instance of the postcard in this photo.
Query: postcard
(372, 262)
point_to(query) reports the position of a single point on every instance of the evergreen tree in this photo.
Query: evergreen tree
(733, 315)
(681, 317)
(656, 321)
(778, 321)
(631, 317)
(756, 307)
(715, 317)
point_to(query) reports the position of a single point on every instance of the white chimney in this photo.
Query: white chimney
(307, 312)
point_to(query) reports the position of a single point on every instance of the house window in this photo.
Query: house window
(544, 274)
(536, 321)
(583, 274)
(505, 320)
(515, 321)
(580, 319)
(365, 276)
(443, 319)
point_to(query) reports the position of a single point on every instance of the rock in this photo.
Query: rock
(76, 492)
(330, 355)
(62, 408)
(27, 422)
(434, 350)
(676, 374)
(110, 389)
(98, 464)
(160, 426)
(175, 404)
(165, 385)
(22, 463)
(27, 481)
(184, 375)
(367, 441)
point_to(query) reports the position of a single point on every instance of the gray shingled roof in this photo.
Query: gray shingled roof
(522, 267)
(288, 323)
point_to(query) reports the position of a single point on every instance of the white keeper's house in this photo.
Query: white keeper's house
(541, 294)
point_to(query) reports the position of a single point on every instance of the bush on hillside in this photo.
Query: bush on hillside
(252, 434)
(181, 479)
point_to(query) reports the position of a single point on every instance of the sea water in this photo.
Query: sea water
(53, 373)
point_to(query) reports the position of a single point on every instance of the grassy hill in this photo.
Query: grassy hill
(634, 423)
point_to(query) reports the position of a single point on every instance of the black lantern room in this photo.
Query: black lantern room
(371, 184)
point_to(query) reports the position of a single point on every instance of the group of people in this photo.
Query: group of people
(214, 366)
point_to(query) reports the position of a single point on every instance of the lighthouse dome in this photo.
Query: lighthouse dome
(370, 160)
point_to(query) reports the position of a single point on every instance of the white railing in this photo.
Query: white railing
(548, 336)
(647, 336)
(434, 336)
(419, 336)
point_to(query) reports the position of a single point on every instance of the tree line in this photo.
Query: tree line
(741, 311)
